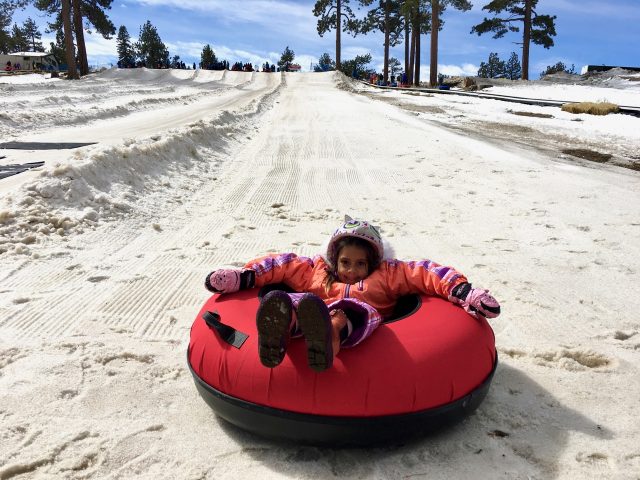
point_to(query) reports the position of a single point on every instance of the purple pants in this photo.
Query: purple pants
(363, 317)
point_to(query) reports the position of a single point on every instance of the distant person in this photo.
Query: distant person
(344, 293)
(8, 67)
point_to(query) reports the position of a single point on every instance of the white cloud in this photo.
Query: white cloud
(466, 69)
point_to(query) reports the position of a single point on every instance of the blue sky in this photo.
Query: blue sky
(588, 32)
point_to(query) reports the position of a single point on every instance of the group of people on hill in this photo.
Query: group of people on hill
(399, 81)
(10, 68)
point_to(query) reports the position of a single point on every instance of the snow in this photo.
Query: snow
(104, 249)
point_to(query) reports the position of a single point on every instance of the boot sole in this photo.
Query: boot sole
(273, 321)
(315, 323)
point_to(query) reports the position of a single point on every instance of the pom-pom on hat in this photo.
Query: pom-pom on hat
(355, 228)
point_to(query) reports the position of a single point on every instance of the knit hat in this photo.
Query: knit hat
(355, 228)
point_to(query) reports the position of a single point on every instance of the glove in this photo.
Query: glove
(229, 280)
(476, 301)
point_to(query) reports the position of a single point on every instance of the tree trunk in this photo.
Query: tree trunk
(416, 75)
(435, 25)
(526, 40)
(407, 43)
(338, 29)
(386, 41)
(412, 54)
(72, 73)
(79, 31)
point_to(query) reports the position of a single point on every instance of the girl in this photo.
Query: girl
(349, 291)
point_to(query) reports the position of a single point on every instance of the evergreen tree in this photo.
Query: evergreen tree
(512, 69)
(538, 29)
(208, 58)
(19, 42)
(335, 15)
(126, 52)
(557, 68)
(32, 34)
(417, 20)
(175, 62)
(394, 66)
(286, 59)
(7, 9)
(58, 50)
(494, 67)
(70, 50)
(437, 8)
(324, 63)
(386, 18)
(151, 51)
(92, 12)
(359, 63)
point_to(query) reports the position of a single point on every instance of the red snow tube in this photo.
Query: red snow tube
(430, 365)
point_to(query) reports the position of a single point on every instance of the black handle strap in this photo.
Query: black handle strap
(228, 334)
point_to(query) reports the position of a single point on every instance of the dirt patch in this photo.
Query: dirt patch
(587, 154)
(531, 114)
(421, 108)
(510, 129)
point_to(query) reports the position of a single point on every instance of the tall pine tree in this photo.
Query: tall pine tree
(208, 58)
(494, 67)
(437, 8)
(513, 69)
(92, 12)
(538, 29)
(153, 53)
(386, 18)
(126, 52)
(33, 35)
(335, 15)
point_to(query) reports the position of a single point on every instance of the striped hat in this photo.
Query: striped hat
(355, 228)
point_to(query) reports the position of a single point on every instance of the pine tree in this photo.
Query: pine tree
(359, 63)
(153, 53)
(512, 69)
(126, 52)
(19, 42)
(92, 12)
(7, 9)
(557, 68)
(325, 63)
(335, 15)
(33, 35)
(494, 67)
(387, 19)
(286, 59)
(394, 66)
(58, 49)
(208, 58)
(536, 28)
(437, 8)
(417, 22)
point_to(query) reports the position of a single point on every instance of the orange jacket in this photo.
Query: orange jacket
(391, 280)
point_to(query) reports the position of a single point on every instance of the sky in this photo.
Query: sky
(258, 31)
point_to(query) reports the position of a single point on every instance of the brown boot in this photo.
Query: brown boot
(315, 323)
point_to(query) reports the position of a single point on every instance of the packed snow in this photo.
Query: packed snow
(104, 249)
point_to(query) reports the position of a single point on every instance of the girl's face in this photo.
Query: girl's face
(353, 265)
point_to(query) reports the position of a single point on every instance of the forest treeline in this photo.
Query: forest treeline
(401, 22)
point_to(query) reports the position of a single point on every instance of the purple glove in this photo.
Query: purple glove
(476, 301)
(229, 280)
